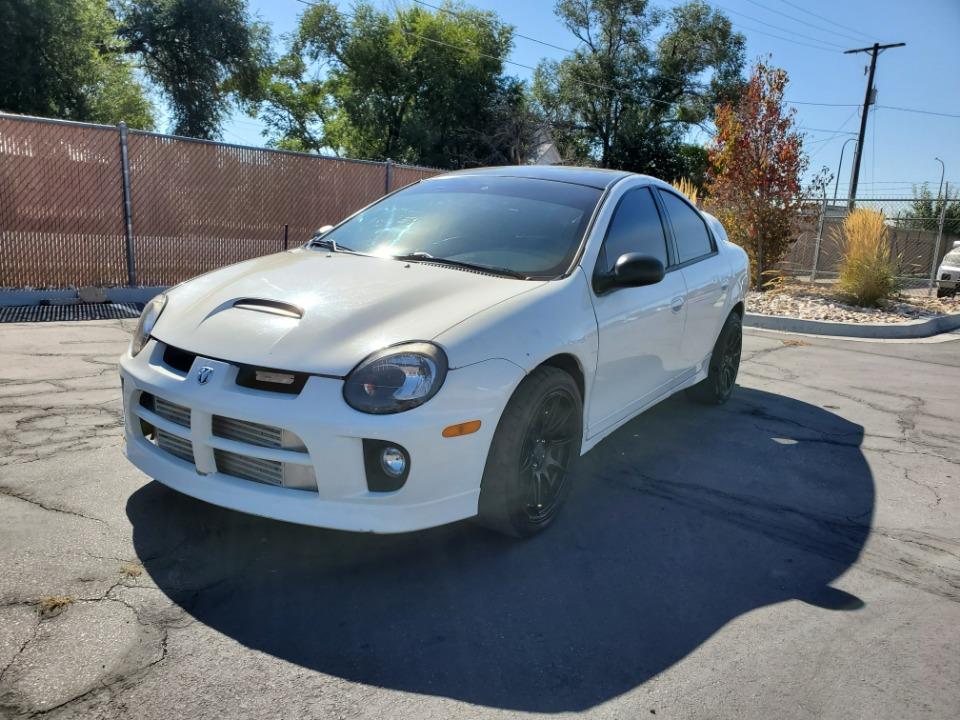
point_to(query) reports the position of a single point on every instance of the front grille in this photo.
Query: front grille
(178, 359)
(249, 376)
(295, 476)
(173, 412)
(248, 432)
(269, 472)
(175, 445)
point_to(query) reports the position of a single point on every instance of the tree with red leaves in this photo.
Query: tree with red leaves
(756, 160)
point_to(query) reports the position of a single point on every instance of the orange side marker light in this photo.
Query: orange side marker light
(464, 428)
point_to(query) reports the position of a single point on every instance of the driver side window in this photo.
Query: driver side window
(636, 227)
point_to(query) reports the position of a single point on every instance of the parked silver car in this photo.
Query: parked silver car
(948, 274)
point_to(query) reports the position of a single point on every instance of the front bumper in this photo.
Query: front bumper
(443, 484)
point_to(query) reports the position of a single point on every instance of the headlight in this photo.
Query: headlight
(397, 378)
(148, 318)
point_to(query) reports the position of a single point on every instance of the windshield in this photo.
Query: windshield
(952, 258)
(520, 225)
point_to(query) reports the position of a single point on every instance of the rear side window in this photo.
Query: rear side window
(692, 238)
(636, 227)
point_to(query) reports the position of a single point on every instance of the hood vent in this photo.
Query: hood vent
(273, 307)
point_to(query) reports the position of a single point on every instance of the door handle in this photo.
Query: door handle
(677, 303)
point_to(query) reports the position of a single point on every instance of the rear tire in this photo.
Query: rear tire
(526, 478)
(944, 292)
(717, 387)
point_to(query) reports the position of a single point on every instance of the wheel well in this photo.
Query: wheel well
(738, 309)
(568, 363)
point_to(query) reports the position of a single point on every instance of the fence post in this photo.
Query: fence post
(388, 180)
(286, 235)
(935, 260)
(816, 247)
(127, 211)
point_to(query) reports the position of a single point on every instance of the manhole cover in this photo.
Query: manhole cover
(61, 313)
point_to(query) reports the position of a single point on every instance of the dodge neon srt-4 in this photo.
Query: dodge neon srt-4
(445, 353)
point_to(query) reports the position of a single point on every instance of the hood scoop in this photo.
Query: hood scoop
(271, 307)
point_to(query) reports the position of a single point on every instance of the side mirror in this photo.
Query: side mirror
(631, 270)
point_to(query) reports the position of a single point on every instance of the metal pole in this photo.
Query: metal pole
(816, 247)
(388, 179)
(127, 207)
(839, 167)
(936, 250)
(874, 51)
(943, 170)
(286, 235)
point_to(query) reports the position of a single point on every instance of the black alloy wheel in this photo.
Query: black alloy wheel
(545, 454)
(527, 477)
(721, 378)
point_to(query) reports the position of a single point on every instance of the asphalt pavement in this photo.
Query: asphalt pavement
(792, 554)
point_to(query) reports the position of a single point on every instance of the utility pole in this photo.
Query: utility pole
(874, 51)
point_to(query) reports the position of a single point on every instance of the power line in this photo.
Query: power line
(515, 33)
(790, 31)
(922, 112)
(804, 22)
(821, 17)
(835, 47)
(812, 129)
(836, 134)
(822, 104)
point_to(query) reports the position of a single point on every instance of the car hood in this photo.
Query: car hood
(352, 306)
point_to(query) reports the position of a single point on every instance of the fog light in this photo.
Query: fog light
(387, 465)
(393, 461)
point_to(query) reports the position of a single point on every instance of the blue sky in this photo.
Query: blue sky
(900, 146)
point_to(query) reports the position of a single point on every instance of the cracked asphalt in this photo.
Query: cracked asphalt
(793, 554)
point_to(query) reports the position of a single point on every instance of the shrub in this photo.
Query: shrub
(868, 269)
(686, 187)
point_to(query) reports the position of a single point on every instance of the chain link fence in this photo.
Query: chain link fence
(919, 232)
(98, 205)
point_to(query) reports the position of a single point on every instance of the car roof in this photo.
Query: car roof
(599, 178)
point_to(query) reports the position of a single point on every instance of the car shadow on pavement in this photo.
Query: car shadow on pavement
(684, 519)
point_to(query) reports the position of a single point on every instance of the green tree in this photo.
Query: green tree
(203, 54)
(925, 210)
(638, 79)
(416, 86)
(63, 59)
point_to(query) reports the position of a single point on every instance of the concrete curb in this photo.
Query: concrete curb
(877, 331)
(115, 295)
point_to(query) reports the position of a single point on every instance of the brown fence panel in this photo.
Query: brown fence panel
(61, 218)
(405, 175)
(198, 206)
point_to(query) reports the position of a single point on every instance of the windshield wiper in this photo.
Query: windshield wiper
(330, 245)
(428, 258)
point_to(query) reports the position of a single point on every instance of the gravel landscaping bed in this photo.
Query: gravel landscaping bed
(813, 303)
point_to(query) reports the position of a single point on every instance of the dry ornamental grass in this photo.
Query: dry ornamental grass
(868, 270)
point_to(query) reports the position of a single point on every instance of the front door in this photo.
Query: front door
(640, 329)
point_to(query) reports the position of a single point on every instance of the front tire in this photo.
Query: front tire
(526, 478)
(717, 387)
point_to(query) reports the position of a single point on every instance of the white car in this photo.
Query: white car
(948, 274)
(444, 353)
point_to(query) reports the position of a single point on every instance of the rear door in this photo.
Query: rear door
(640, 328)
(705, 273)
